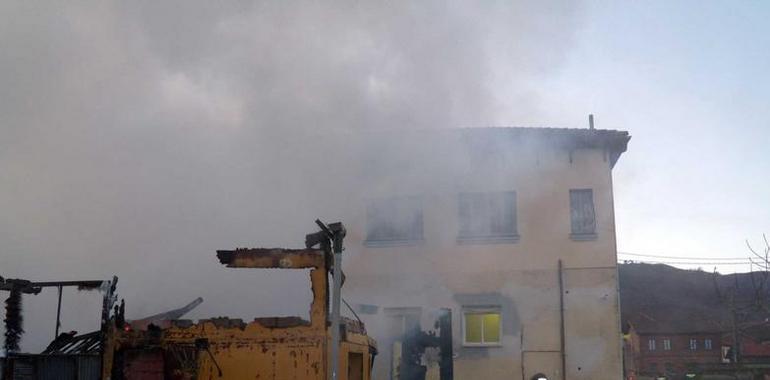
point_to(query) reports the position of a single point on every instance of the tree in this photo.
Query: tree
(743, 305)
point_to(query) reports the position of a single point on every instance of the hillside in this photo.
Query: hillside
(661, 298)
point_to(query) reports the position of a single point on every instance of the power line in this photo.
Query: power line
(686, 263)
(683, 257)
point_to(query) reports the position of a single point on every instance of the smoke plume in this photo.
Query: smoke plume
(139, 137)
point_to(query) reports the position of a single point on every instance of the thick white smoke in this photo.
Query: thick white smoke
(138, 137)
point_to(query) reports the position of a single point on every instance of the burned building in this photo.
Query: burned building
(162, 346)
(511, 230)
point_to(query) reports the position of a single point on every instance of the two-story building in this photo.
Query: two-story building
(512, 229)
(678, 326)
(665, 349)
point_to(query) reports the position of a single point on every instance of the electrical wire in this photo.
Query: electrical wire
(684, 263)
(741, 259)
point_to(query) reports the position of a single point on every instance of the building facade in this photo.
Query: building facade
(678, 326)
(510, 229)
(674, 355)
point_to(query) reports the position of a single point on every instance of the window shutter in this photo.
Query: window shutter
(582, 214)
(486, 216)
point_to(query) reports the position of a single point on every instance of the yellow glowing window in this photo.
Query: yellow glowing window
(482, 327)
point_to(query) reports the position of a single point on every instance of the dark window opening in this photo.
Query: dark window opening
(355, 366)
(582, 214)
(488, 217)
(394, 221)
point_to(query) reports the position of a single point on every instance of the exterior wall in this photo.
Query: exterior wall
(753, 351)
(680, 358)
(521, 278)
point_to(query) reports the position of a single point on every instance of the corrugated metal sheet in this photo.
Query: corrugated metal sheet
(23, 369)
(89, 367)
(56, 367)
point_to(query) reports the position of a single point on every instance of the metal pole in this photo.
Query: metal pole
(58, 315)
(336, 233)
(335, 358)
(446, 369)
(561, 313)
(736, 345)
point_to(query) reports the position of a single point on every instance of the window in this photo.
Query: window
(667, 344)
(582, 214)
(693, 344)
(402, 319)
(489, 217)
(651, 344)
(394, 221)
(707, 344)
(481, 327)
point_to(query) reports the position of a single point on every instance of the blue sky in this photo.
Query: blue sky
(689, 81)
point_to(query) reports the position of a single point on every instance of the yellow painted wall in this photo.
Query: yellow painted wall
(282, 348)
(431, 273)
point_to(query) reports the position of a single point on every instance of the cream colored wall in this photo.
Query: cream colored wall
(525, 273)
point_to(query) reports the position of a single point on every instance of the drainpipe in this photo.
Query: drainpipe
(561, 314)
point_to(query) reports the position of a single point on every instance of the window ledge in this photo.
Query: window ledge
(393, 243)
(499, 239)
(481, 345)
(583, 237)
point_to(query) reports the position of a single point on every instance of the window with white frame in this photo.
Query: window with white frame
(667, 344)
(582, 214)
(394, 220)
(693, 344)
(651, 344)
(487, 216)
(707, 344)
(482, 326)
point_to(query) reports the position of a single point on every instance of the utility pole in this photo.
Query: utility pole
(330, 237)
(338, 234)
(736, 344)
(58, 315)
